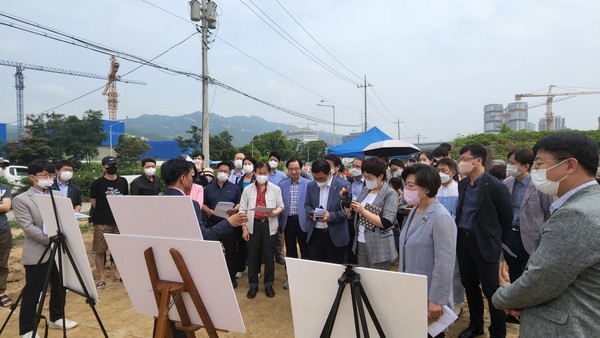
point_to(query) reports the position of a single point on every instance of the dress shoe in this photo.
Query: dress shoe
(234, 283)
(280, 260)
(512, 319)
(471, 332)
(252, 293)
(269, 291)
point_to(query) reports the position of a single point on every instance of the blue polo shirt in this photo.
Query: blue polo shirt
(213, 194)
(469, 207)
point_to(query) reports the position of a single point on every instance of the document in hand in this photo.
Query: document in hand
(222, 208)
(262, 209)
(441, 324)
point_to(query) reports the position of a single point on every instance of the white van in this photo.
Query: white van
(14, 174)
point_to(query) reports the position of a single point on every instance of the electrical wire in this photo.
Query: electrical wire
(382, 104)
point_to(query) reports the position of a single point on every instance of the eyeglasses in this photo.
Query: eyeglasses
(536, 164)
(466, 159)
(44, 175)
(293, 169)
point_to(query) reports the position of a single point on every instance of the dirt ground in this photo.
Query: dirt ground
(263, 317)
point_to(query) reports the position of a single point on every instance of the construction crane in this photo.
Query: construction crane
(549, 99)
(20, 84)
(505, 112)
(110, 89)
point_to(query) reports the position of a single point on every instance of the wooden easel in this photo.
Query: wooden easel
(164, 291)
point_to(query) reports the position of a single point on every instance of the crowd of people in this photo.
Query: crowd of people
(457, 222)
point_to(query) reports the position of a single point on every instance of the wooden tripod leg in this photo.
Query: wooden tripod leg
(193, 292)
(162, 323)
(161, 330)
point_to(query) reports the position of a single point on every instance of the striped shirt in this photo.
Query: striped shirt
(559, 202)
(294, 192)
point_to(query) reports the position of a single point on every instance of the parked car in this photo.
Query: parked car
(14, 174)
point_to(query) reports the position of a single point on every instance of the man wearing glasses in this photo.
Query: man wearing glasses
(558, 295)
(483, 212)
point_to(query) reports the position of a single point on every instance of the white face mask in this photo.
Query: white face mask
(238, 164)
(45, 183)
(273, 164)
(222, 177)
(149, 171)
(511, 170)
(541, 182)
(248, 168)
(371, 184)
(355, 172)
(398, 173)
(209, 178)
(66, 175)
(262, 179)
(444, 177)
(322, 184)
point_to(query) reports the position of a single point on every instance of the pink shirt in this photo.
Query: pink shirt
(197, 193)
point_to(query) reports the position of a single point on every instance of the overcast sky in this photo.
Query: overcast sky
(432, 64)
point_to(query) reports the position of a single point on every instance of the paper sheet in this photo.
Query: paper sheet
(262, 209)
(441, 324)
(222, 208)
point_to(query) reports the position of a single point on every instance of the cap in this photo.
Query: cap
(109, 160)
(412, 158)
(209, 172)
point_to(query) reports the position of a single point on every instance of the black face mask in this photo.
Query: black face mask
(111, 170)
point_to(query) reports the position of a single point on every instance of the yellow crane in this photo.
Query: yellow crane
(549, 99)
(110, 89)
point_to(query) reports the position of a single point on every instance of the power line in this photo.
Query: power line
(298, 45)
(378, 98)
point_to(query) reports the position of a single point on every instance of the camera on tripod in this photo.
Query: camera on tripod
(346, 199)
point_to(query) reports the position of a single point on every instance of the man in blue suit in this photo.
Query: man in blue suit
(328, 235)
(178, 174)
(293, 220)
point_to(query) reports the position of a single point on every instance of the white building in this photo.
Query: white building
(303, 134)
(559, 123)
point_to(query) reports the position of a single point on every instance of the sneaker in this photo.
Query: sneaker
(58, 324)
(239, 274)
(286, 285)
(30, 335)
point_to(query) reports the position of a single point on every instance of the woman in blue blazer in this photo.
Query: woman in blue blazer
(428, 238)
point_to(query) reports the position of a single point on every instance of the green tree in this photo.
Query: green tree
(312, 150)
(130, 149)
(221, 147)
(193, 142)
(250, 150)
(29, 149)
(274, 140)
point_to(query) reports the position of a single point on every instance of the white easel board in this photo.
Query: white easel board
(70, 229)
(398, 299)
(207, 266)
(160, 216)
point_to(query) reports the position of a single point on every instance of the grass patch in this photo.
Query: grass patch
(13, 224)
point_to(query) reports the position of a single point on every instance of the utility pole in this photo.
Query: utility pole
(205, 127)
(419, 137)
(365, 86)
(398, 123)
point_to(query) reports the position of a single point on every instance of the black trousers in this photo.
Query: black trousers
(261, 243)
(293, 234)
(34, 283)
(235, 254)
(517, 265)
(473, 271)
(321, 248)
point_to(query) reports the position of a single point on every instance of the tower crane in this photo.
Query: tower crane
(549, 99)
(20, 84)
(110, 89)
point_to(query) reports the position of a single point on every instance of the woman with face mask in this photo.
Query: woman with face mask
(375, 214)
(426, 157)
(248, 170)
(428, 238)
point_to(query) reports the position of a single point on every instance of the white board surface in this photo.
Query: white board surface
(74, 241)
(207, 266)
(160, 216)
(399, 300)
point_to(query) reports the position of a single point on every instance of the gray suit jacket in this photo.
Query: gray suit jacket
(559, 292)
(534, 211)
(28, 216)
(380, 243)
(428, 248)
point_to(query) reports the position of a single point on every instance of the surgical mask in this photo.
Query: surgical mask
(262, 179)
(465, 167)
(541, 182)
(150, 171)
(209, 178)
(238, 164)
(248, 168)
(273, 164)
(222, 177)
(398, 173)
(355, 172)
(511, 170)
(45, 183)
(371, 184)
(412, 196)
(444, 177)
(322, 184)
(111, 170)
(66, 175)
(437, 159)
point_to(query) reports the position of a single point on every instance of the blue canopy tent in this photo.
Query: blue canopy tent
(354, 148)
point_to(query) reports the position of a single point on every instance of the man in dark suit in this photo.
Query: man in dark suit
(484, 211)
(327, 236)
(178, 174)
(62, 181)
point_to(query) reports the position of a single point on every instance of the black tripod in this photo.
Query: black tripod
(56, 245)
(358, 296)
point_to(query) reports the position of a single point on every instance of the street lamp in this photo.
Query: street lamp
(111, 136)
(332, 107)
